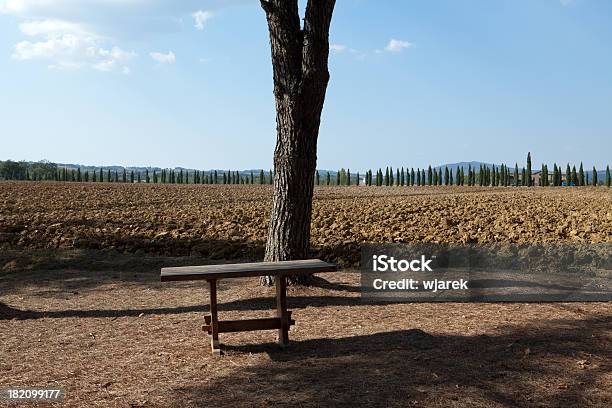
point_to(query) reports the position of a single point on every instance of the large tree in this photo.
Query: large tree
(300, 70)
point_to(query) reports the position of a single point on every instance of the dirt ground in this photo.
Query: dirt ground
(121, 338)
(230, 221)
(81, 305)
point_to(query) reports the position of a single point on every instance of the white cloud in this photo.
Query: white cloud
(162, 58)
(68, 46)
(397, 45)
(70, 33)
(338, 47)
(200, 18)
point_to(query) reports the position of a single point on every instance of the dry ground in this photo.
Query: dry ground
(230, 222)
(123, 339)
(98, 323)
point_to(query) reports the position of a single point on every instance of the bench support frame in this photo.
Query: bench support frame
(282, 322)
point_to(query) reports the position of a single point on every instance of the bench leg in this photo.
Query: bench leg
(214, 318)
(281, 309)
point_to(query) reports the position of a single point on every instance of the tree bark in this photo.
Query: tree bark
(300, 69)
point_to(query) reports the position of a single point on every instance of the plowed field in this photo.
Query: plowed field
(230, 222)
(82, 308)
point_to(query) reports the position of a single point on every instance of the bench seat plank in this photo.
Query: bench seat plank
(207, 272)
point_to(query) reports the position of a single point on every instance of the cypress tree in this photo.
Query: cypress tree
(412, 179)
(317, 178)
(528, 173)
(608, 179)
(139, 180)
(390, 176)
(435, 178)
(154, 177)
(338, 178)
(252, 178)
(357, 182)
(397, 177)
(328, 179)
(568, 175)
(348, 177)
(450, 178)
(147, 176)
(516, 175)
(262, 179)
(506, 176)
(124, 176)
(594, 176)
(271, 178)
(469, 180)
(95, 176)
(575, 176)
(132, 176)
(108, 176)
(524, 176)
(581, 176)
(429, 176)
(447, 179)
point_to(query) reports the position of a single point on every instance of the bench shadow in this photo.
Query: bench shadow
(517, 368)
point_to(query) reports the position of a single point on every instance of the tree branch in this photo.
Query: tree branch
(286, 44)
(316, 36)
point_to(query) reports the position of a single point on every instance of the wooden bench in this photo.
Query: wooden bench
(280, 271)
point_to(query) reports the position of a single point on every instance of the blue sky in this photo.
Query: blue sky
(188, 83)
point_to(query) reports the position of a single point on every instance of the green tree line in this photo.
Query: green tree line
(496, 175)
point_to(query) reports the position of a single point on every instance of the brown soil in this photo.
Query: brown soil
(98, 322)
(230, 222)
(123, 339)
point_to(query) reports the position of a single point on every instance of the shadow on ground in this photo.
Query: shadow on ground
(413, 368)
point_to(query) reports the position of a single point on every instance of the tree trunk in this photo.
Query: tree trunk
(299, 60)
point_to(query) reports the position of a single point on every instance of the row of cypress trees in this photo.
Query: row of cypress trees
(501, 175)
(485, 176)
(164, 176)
